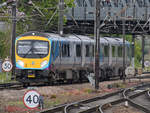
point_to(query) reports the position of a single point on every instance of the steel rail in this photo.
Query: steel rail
(55, 109)
(10, 86)
(129, 99)
(105, 106)
(77, 104)
(124, 99)
(65, 108)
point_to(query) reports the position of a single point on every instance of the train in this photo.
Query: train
(49, 57)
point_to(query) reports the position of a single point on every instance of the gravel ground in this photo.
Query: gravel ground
(11, 101)
(123, 109)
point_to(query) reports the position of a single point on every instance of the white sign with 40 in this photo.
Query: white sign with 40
(31, 99)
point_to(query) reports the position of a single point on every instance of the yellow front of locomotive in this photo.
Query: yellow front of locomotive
(32, 55)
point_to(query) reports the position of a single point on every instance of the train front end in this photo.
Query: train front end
(32, 55)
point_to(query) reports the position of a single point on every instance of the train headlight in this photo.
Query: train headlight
(44, 63)
(20, 63)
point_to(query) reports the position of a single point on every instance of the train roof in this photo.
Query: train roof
(76, 38)
(121, 41)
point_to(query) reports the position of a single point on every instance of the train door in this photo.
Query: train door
(83, 54)
(78, 54)
(116, 54)
(120, 55)
(106, 54)
(55, 53)
(113, 50)
(110, 55)
(66, 55)
(87, 54)
(91, 52)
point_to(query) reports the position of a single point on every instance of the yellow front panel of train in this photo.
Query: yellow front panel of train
(31, 63)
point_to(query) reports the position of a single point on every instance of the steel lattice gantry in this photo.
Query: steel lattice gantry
(135, 12)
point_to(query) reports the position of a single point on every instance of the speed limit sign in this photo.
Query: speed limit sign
(31, 99)
(7, 65)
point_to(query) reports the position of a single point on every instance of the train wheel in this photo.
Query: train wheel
(25, 85)
(51, 78)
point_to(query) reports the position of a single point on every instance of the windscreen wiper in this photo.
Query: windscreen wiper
(28, 52)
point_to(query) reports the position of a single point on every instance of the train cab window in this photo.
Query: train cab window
(106, 51)
(120, 51)
(78, 50)
(87, 47)
(65, 50)
(113, 51)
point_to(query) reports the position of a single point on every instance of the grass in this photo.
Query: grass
(88, 90)
(49, 103)
(119, 85)
(16, 103)
(5, 77)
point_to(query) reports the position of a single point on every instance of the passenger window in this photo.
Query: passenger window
(106, 51)
(120, 51)
(87, 51)
(113, 51)
(78, 50)
(65, 50)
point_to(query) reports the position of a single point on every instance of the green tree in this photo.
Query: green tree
(39, 15)
(4, 44)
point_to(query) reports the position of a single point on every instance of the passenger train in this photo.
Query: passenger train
(48, 57)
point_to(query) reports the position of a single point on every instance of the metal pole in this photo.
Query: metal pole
(133, 43)
(13, 38)
(61, 17)
(133, 37)
(124, 65)
(97, 43)
(143, 45)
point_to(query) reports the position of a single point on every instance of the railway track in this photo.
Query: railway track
(103, 104)
(17, 85)
(11, 86)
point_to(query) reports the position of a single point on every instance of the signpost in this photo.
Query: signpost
(147, 64)
(31, 99)
(7, 67)
(130, 71)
